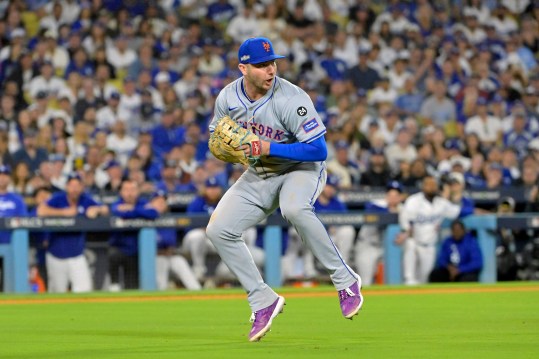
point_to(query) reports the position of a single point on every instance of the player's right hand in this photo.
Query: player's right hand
(401, 238)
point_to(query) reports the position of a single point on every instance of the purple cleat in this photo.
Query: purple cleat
(351, 300)
(262, 319)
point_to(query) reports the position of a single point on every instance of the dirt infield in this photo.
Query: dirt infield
(306, 294)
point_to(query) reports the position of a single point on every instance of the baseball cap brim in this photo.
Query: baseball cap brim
(266, 59)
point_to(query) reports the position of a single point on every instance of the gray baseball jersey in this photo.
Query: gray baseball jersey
(285, 114)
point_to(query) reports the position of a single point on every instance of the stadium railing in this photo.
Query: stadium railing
(15, 253)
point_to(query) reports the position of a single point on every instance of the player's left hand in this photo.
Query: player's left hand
(264, 149)
(453, 272)
(92, 212)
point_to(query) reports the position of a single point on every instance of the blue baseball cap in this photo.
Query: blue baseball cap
(394, 185)
(159, 193)
(5, 170)
(333, 180)
(212, 182)
(111, 163)
(74, 176)
(257, 50)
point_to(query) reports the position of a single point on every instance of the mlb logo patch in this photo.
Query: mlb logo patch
(310, 125)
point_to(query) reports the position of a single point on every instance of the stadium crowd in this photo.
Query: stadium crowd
(116, 90)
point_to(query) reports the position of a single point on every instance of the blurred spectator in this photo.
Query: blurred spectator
(30, 153)
(115, 176)
(378, 171)
(369, 246)
(67, 267)
(46, 82)
(21, 180)
(409, 101)
(487, 128)
(169, 261)
(438, 109)
(382, 92)
(401, 150)
(460, 258)
(342, 167)
(244, 25)
(120, 55)
(123, 250)
(107, 115)
(120, 142)
(362, 76)
(167, 134)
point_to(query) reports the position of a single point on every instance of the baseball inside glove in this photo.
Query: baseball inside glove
(227, 136)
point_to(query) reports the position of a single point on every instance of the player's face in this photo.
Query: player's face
(4, 181)
(330, 191)
(213, 194)
(259, 77)
(393, 198)
(74, 189)
(457, 231)
(430, 186)
(130, 192)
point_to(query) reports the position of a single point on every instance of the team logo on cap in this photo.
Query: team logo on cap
(267, 46)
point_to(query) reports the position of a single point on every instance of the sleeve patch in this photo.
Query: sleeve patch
(310, 125)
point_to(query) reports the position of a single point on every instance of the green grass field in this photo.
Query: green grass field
(465, 321)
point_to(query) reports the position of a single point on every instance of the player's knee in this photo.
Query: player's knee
(216, 231)
(293, 212)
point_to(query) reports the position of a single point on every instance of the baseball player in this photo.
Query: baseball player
(11, 205)
(369, 249)
(123, 250)
(420, 220)
(287, 170)
(66, 263)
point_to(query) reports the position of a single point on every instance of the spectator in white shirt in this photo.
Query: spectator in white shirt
(401, 150)
(46, 82)
(120, 142)
(244, 25)
(54, 20)
(398, 74)
(129, 101)
(210, 63)
(120, 55)
(108, 115)
(488, 128)
(58, 55)
(382, 92)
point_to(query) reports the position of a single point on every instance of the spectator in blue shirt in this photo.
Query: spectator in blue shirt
(123, 251)
(460, 258)
(66, 263)
(409, 102)
(167, 134)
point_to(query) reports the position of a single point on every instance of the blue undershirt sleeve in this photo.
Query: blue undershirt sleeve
(301, 151)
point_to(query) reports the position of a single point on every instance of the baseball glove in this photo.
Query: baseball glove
(227, 136)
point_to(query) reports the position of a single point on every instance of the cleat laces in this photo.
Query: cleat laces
(346, 293)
